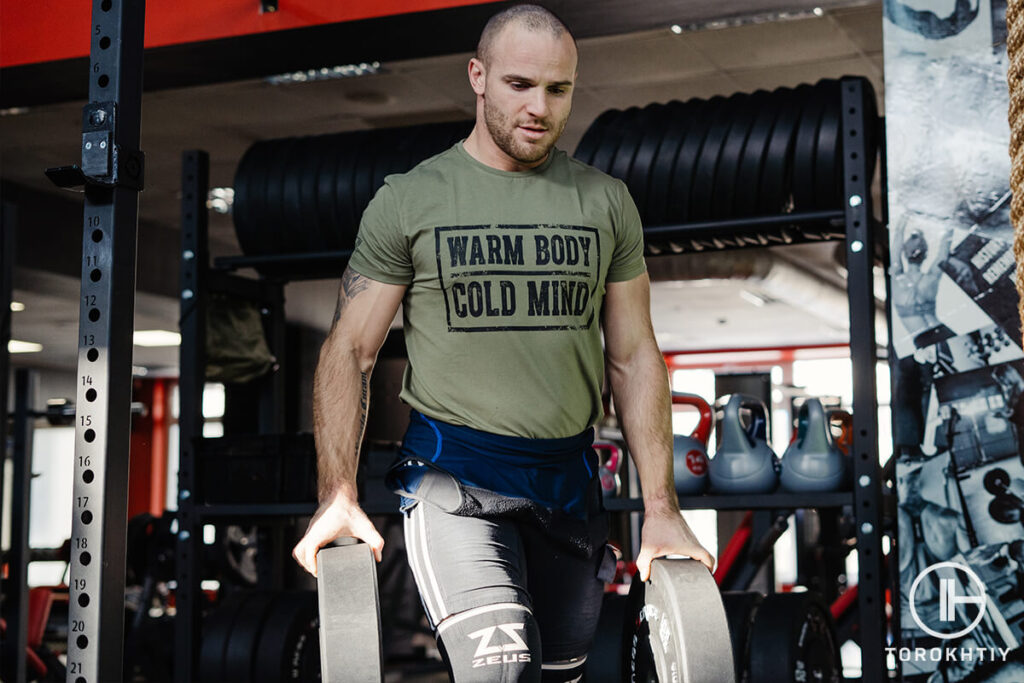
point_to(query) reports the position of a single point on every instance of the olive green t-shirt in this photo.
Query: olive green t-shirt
(506, 274)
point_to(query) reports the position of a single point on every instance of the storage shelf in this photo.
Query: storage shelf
(760, 501)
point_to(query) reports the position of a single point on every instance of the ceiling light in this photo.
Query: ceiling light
(157, 338)
(17, 306)
(818, 12)
(13, 111)
(15, 346)
(327, 73)
(676, 29)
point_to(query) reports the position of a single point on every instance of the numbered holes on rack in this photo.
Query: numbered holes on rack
(90, 435)
(86, 517)
(95, 275)
(92, 355)
(97, 235)
(94, 314)
(90, 395)
(88, 476)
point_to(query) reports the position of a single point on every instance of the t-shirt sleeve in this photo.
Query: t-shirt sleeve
(628, 256)
(382, 251)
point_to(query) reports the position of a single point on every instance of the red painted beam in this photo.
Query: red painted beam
(50, 30)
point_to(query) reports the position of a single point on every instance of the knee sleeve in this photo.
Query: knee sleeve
(569, 671)
(497, 643)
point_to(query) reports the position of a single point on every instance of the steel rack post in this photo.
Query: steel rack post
(195, 261)
(17, 598)
(860, 255)
(7, 213)
(112, 171)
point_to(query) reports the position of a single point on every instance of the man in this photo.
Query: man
(507, 255)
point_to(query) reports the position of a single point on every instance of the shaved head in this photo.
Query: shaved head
(531, 17)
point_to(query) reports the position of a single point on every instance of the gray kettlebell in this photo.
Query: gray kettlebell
(690, 453)
(744, 462)
(813, 462)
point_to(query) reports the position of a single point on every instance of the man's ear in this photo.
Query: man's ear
(477, 75)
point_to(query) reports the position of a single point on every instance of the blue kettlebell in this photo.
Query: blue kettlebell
(690, 453)
(744, 462)
(813, 462)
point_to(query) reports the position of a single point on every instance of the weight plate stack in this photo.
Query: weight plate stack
(217, 627)
(604, 155)
(724, 203)
(775, 185)
(740, 611)
(633, 123)
(639, 180)
(680, 119)
(681, 179)
(804, 149)
(607, 657)
(676, 626)
(289, 644)
(828, 170)
(703, 186)
(755, 151)
(592, 137)
(242, 646)
(793, 639)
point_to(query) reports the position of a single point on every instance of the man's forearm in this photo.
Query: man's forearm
(341, 397)
(643, 405)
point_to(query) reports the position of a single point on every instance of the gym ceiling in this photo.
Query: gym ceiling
(212, 93)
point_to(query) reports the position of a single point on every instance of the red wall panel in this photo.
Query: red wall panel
(48, 30)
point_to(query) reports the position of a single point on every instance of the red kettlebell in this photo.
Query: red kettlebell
(608, 472)
(690, 453)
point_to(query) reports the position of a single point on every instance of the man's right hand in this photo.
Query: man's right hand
(334, 518)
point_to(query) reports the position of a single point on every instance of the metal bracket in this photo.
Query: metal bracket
(104, 163)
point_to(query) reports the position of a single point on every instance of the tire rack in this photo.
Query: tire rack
(197, 277)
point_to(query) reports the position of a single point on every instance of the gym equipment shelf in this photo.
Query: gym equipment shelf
(852, 222)
(760, 501)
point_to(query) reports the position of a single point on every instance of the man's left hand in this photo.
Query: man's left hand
(665, 532)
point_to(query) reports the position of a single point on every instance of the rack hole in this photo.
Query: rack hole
(853, 110)
(853, 155)
(97, 235)
(863, 456)
(105, 5)
(104, 43)
(94, 314)
(88, 476)
(86, 517)
(103, 81)
(83, 600)
(81, 679)
(85, 558)
(95, 274)
(82, 642)
(188, 216)
(855, 178)
(856, 224)
(90, 435)
(90, 395)
(92, 354)
(853, 133)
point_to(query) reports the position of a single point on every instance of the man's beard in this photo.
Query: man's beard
(503, 132)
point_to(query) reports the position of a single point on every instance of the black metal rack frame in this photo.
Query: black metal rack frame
(853, 222)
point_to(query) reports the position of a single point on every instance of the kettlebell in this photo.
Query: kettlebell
(743, 462)
(608, 472)
(813, 462)
(690, 453)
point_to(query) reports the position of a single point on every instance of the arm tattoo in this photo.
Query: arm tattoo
(363, 401)
(352, 283)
